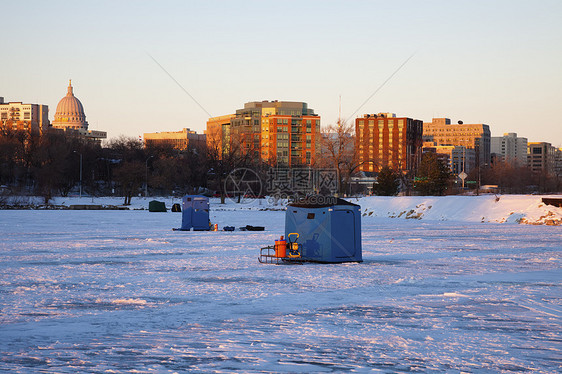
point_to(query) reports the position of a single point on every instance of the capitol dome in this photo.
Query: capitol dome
(70, 112)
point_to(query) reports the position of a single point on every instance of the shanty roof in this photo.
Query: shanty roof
(319, 201)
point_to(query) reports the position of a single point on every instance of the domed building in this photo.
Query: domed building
(70, 112)
(70, 117)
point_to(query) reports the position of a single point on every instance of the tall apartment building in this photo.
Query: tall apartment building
(475, 136)
(24, 117)
(558, 162)
(283, 133)
(385, 140)
(541, 157)
(177, 139)
(510, 148)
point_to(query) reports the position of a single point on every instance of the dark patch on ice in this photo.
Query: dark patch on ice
(26, 361)
(512, 367)
(83, 262)
(97, 305)
(385, 262)
(241, 280)
(354, 313)
(331, 366)
(36, 314)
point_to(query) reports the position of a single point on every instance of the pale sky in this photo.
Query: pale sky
(493, 62)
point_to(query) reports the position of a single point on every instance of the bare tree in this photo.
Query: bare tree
(338, 151)
(130, 176)
(225, 155)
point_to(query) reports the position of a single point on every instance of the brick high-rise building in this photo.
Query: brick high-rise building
(476, 136)
(283, 133)
(382, 139)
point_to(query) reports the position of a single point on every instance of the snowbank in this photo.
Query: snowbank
(528, 209)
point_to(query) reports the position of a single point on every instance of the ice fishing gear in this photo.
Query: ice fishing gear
(283, 252)
(252, 228)
(318, 229)
(294, 248)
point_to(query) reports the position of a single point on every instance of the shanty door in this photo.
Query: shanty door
(343, 236)
(200, 213)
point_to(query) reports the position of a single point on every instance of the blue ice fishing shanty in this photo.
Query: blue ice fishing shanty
(195, 213)
(329, 229)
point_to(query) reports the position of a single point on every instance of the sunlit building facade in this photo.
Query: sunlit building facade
(475, 136)
(17, 116)
(180, 140)
(282, 133)
(218, 133)
(386, 140)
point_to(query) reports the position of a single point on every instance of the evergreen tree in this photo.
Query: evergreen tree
(433, 175)
(387, 182)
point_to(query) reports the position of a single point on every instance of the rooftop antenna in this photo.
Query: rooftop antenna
(339, 113)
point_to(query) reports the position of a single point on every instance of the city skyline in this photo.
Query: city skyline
(478, 62)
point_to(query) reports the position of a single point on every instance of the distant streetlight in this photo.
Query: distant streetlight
(146, 184)
(80, 171)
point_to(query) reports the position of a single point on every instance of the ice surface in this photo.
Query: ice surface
(119, 291)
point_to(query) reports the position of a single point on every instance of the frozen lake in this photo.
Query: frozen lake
(119, 291)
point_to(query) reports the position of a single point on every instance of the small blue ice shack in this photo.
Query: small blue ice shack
(329, 229)
(195, 213)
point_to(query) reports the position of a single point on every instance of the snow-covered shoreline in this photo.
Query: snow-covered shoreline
(527, 209)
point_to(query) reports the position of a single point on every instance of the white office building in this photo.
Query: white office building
(510, 148)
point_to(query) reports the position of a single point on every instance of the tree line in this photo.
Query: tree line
(56, 164)
(430, 174)
(53, 164)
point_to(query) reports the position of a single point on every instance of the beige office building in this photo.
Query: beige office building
(180, 140)
(17, 116)
(473, 136)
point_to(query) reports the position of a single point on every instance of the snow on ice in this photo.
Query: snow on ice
(119, 291)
